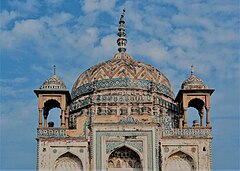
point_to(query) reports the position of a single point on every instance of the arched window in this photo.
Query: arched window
(52, 113)
(124, 157)
(193, 117)
(68, 162)
(180, 161)
(195, 112)
(54, 116)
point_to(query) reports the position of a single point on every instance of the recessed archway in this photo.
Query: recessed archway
(124, 158)
(68, 162)
(180, 161)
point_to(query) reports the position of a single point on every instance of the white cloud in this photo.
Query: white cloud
(98, 5)
(57, 19)
(7, 17)
(107, 47)
(14, 80)
(28, 6)
(185, 39)
(153, 49)
(171, 35)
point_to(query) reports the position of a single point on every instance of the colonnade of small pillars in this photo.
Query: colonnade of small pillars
(183, 123)
(64, 119)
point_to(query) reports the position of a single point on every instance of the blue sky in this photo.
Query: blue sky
(76, 34)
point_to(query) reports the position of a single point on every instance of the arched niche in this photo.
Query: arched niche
(124, 158)
(180, 161)
(52, 108)
(68, 162)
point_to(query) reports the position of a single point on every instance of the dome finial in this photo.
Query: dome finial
(121, 41)
(54, 69)
(192, 70)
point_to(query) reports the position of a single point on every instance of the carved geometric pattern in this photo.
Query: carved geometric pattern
(179, 162)
(68, 162)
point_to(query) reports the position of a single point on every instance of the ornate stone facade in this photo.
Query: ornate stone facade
(122, 115)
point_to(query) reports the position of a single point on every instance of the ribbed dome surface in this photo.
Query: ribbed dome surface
(53, 83)
(122, 68)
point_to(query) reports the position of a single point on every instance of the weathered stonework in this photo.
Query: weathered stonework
(122, 115)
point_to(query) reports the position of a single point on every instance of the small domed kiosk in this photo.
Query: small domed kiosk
(194, 93)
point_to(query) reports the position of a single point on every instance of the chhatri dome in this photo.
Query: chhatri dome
(193, 82)
(53, 83)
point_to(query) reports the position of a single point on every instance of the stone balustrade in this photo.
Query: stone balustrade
(51, 132)
(188, 133)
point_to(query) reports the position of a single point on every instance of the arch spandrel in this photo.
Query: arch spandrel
(128, 146)
(68, 162)
(180, 161)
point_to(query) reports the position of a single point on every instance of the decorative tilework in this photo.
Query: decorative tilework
(128, 120)
(53, 83)
(111, 145)
(121, 83)
(122, 98)
(37, 165)
(166, 122)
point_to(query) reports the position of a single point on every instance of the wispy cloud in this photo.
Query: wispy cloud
(171, 35)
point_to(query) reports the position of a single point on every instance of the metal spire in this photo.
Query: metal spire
(121, 41)
(192, 70)
(54, 69)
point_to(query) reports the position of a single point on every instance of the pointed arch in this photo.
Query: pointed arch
(180, 161)
(52, 106)
(124, 157)
(51, 103)
(68, 162)
(128, 146)
(197, 103)
(195, 107)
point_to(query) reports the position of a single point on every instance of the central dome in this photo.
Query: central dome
(122, 72)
